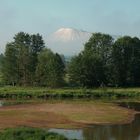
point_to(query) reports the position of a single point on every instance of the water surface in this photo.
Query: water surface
(107, 132)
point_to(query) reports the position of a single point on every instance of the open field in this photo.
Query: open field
(46, 93)
(63, 114)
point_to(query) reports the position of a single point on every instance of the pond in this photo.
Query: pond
(107, 132)
(104, 132)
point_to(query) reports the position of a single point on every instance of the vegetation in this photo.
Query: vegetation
(103, 62)
(27, 63)
(50, 69)
(68, 93)
(89, 68)
(20, 59)
(24, 133)
(29, 71)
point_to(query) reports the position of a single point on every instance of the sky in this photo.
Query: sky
(116, 17)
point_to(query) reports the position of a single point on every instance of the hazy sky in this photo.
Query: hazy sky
(117, 17)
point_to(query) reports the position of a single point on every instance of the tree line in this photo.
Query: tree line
(103, 62)
(109, 62)
(26, 62)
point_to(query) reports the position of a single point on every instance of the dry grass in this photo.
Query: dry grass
(63, 114)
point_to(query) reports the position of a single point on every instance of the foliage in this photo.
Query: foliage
(20, 59)
(126, 61)
(20, 93)
(9, 65)
(107, 63)
(27, 63)
(91, 67)
(103, 62)
(50, 69)
(24, 133)
(86, 70)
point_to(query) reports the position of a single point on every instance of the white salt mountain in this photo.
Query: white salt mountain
(68, 41)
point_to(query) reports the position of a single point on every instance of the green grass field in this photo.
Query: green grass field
(68, 93)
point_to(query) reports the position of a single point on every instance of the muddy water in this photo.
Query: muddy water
(107, 132)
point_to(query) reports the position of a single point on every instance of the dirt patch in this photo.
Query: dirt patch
(63, 115)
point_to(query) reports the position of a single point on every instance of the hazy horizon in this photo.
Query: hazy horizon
(47, 16)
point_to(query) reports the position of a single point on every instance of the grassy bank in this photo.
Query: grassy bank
(24, 133)
(68, 93)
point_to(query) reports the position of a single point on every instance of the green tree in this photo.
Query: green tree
(1, 63)
(91, 67)
(22, 43)
(9, 65)
(50, 69)
(26, 49)
(126, 61)
(37, 45)
(101, 44)
(29, 47)
(86, 70)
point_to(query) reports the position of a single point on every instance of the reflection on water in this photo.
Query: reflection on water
(71, 134)
(114, 132)
(107, 132)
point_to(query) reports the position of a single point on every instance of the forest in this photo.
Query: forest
(104, 62)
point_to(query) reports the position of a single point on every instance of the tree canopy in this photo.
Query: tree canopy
(103, 62)
(50, 69)
(107, 62)
(23, 57)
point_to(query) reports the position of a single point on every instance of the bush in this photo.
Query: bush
(29, 134)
